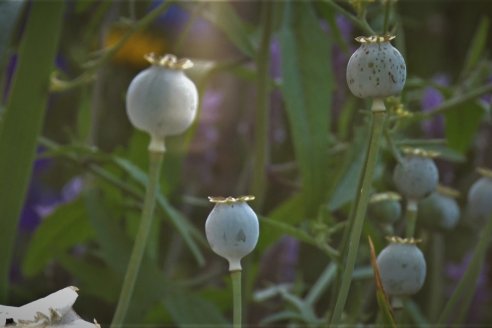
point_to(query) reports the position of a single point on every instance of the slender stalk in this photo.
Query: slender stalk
(140, 241)
(321, 284)
(378, 118)
(391, 144)
(236, 295)
(466, 288)
(436, 274)
(411, 216)
(387, 9)
(263, 106)
(362, 24)
(453, 102)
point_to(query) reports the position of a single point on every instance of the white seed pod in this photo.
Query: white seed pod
(232, 229)
(416, 176)
(439, 211)
(480, 197)
(162, 100)
(402, 267)
(376, 69)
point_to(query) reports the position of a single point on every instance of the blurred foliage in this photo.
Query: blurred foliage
(316, 136)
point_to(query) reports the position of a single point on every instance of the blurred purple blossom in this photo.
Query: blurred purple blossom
(41, 199)
(279, 262)
(431, 99)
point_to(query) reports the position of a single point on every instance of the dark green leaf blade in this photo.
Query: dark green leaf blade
(306, 88)
(59, 232)
(23, 118)
(462, 123)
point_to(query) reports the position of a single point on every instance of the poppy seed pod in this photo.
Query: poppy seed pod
(440, 210)
(402, 267)
(480, 197)
(232, 229)
(416, 176)
(376, 69)
(385, 207)
(162, 100)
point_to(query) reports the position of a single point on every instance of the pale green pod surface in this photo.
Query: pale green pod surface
(386, 211)
(480, 200)
(439, 212)
(403, 269)
(162, 101)
(416, 177)
(376, 69)
(232, 231)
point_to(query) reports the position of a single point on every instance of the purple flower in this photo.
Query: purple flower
(431, 99)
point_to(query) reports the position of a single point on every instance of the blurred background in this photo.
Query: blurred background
(275, 120)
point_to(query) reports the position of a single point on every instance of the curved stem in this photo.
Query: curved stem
(140, 241)
(236, 294)
(378, 119)
(411, 217)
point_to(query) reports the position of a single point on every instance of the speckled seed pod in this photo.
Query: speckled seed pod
(480, 197)
(402, 267)
(376, 69)
(232, 229)
(162, 100)
(416, 177)
(385, 207)
(439, 211)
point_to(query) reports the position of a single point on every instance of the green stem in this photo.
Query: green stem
(392, 145)
(321, 284)
(361, 23)
(411, 217)
(262, 108)
(140, 241)
(453, 102)
(378, 118)
(236, 294)
(387, 9)
(436, 274)
(463, 294)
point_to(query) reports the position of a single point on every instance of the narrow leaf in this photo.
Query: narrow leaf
(477, 46)
(383, 302)
(307, 85)
(59, 232)
(462, 123)
(23, 119)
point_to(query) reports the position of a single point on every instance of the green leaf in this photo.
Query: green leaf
(23, 118)
(349, 172)
(462, 123)
(188, 309)
(300, 235)
(9, 13)
(307, 85)
(224, 16)
(459, 302)
(187, 231)
(94, 280)
(475, 50)
(59, 232)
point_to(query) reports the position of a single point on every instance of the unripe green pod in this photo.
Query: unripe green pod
(162, 100)
(376, 69)
(480, 197)
(232, 229)
(402, 267)
(385, 207)
(439, 211)
(416, 176)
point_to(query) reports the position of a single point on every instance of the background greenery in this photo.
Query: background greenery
(276, 120)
